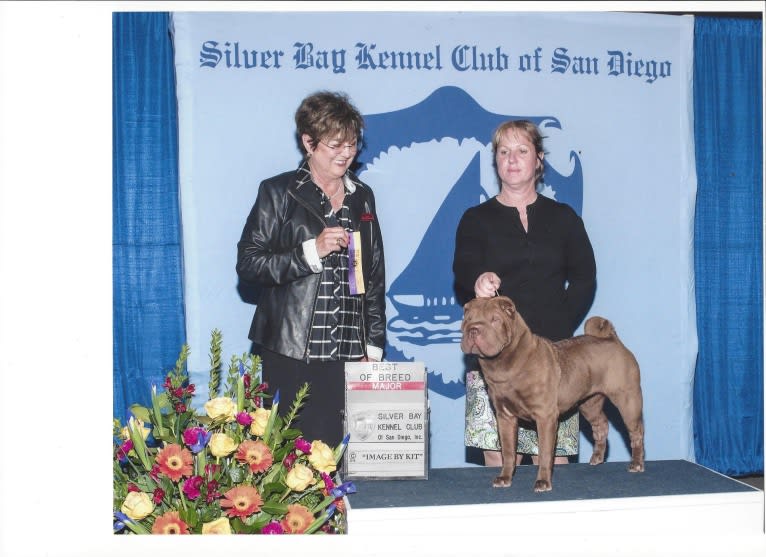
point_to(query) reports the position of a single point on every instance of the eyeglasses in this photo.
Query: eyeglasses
(337, 148)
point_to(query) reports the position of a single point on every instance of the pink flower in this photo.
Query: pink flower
(155, 473)
(125, 448)
(170, 523)
(192, 486)
(158, 495)
(328, 483)
(242, 501)
(132, 487)
(272, 528)
(196, 438)
(212, 491)
(289, 460)
(256, 454)
(244, 419)
(297, 519)
(302, 445)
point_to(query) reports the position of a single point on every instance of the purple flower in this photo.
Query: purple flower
(330, 510)
(122, 452)
(119, 524)
(289, 460)
(272, 528)
(343, 489)
(302, 445)
(158, 495)
(196, 438)
(244, 419)
(328, 483)
(191, 487)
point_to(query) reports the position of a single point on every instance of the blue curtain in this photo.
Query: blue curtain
(149, 325)
(728, 263)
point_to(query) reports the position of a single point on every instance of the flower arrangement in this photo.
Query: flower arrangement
(238, 469)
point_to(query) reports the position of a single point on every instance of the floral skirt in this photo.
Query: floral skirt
(481, 427)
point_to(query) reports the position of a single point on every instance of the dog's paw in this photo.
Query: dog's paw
(596, 459)
(501, 481)
(542, 485)
(636, 467)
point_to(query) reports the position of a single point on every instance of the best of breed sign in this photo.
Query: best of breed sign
(386, 420)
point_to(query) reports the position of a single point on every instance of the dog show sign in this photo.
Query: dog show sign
(386, 420)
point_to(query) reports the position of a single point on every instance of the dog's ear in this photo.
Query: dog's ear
(507, 305)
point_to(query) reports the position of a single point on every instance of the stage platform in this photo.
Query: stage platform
(673, 497)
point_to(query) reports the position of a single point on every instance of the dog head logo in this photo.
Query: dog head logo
(428, 163)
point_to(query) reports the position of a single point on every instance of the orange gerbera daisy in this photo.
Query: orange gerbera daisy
(297, 519)
(242, 501)
(175, 461)
(257, 454)
(169, 523)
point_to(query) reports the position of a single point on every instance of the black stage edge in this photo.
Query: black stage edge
(571, 482)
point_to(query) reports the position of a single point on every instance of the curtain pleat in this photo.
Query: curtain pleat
(728, 263)
(148, 326)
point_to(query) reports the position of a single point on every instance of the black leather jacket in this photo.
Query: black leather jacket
(270, 253)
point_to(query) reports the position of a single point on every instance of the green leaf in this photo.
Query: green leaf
(236, 474)
(259, 521)
(238, 526)
(139, 446)
(145, 484)
(163, 400)
(291, 434)
(188, 515)
(209, 514)
(165, 435)
(136, 527)
(323, 504)
(274, 508)
(141, 413)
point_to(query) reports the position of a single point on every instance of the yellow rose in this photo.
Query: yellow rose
(137, 505)
(136, 424)
(218, 526)
(260, 417)
(221, 444)
(221, 407)
(299, 477)
(322, 457)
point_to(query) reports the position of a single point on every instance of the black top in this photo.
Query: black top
(548, 271)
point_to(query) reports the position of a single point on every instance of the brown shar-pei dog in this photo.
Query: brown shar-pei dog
(531, 378)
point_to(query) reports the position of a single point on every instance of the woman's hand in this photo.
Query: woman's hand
(486, 285)
(331, 239)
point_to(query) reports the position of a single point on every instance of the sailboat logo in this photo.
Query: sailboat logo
(427, 164)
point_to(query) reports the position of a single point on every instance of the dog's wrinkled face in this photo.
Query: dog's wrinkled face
(487, 326)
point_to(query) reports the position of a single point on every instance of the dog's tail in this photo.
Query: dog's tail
(600, 327)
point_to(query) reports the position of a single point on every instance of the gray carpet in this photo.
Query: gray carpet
(473, 485)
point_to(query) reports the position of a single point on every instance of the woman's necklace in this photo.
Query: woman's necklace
(337, 192)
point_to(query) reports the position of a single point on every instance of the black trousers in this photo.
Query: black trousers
(321, 416)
